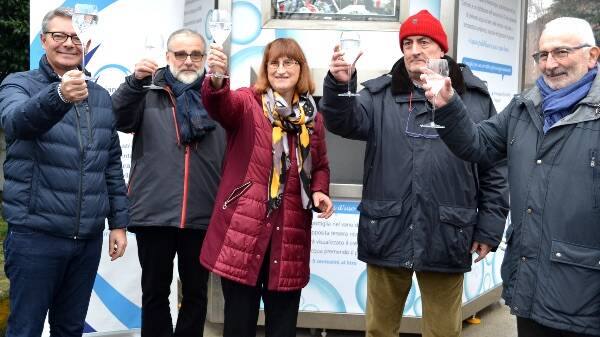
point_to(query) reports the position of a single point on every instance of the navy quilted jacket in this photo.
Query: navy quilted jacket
(62, 172)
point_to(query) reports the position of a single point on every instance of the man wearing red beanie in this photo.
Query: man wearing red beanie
(423, 210)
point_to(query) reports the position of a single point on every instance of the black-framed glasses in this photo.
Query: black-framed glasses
(195, 56)
(287, 64)
(557, 54)
(61, 37)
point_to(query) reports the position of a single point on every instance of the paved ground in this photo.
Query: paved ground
(496, 321)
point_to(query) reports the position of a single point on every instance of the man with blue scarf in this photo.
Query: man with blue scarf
(175, 171)
(550, 135)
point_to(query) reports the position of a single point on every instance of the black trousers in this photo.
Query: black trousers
(242, 304)
(157, 247)
(529, 328)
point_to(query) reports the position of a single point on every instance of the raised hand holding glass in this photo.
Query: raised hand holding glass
(436, 80)
(219, 24)
(154, 46)
(350, 44)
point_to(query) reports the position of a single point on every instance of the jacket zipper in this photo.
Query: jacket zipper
(236, 193)
(81, 155)
(173, 105)
(595, 179)
(89, 123)
(186, 173)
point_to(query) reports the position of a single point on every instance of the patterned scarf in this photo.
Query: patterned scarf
(297, 119)
(192, 119)
(559, 103)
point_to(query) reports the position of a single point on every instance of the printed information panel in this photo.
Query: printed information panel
(338, 281)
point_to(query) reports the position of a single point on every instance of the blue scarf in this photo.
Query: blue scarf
(192, 119)
(556, 104)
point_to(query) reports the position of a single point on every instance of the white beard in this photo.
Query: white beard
(186, 77)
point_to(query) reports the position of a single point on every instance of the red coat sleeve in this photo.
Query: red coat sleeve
(320, 163)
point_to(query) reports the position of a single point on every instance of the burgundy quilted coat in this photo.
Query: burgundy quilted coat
(240, 231)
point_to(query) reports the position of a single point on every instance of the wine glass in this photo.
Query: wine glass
(85, 19)
(219, 24)
(350, 44)
(154, 45)
(436, 80)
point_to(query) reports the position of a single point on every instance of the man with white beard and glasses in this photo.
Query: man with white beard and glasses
(175, 171)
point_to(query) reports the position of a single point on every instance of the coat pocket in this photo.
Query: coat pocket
(572, 285)
(379, 229)
(34, 192)
(452, 239)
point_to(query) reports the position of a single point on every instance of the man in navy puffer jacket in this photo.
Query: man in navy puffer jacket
(63, 178)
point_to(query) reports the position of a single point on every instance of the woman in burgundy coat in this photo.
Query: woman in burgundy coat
(275, 174)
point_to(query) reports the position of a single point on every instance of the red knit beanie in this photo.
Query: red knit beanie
(423, 23)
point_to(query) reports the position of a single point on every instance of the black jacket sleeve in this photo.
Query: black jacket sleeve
(482, 143)
(348, 117)
(129, 103)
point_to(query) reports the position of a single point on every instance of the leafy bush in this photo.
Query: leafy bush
(14, 44)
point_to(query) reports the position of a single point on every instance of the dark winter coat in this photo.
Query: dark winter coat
(170, 184)
(422, 207)
(551, 269)
(63, 173)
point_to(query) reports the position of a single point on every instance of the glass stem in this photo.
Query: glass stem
(433, 109)
(349, 76)
(83, 58)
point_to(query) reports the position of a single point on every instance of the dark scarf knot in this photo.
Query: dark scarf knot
(192, 119)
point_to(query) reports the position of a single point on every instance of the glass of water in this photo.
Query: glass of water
(350, 44)
(436, 80)
(154, 46)
(219, 24)
(85, 19)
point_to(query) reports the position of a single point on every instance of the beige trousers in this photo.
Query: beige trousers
(441, 298)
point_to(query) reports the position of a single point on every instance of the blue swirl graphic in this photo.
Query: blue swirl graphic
(243, 55)
(470, 293)
(361, 291)
(323, 296)
(122, 308)
(361, 294)
(251, 27)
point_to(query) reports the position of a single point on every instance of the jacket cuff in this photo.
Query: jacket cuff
(137, 83)
(340, 87)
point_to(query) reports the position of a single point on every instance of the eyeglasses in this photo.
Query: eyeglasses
(195, 56)
(61, 37)
(287, 64)
(557, 54)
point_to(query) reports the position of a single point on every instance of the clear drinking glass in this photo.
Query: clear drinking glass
(154, 45)
(219, 24)
(436, 80)
(85, 19)
(350, 44)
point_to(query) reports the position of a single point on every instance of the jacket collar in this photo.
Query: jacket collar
(403, 85)
(533, 98)
(49, 73)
